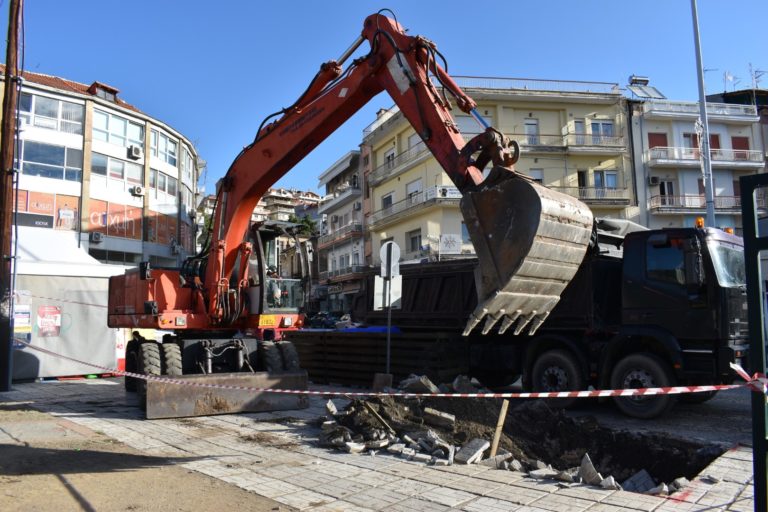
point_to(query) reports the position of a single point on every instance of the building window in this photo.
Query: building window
(119, 170)
(413, 240)
(51, 161)
(667, 193)
(606, 179)
(389, 158)
(161, 183)
(578, 129)
(163, 147)
(413, 192)
(532, 131)
(602, 132)
(465, 234)
(188, 168)
(537, 175)
(117, 130)
(52, 114)
(387, 200)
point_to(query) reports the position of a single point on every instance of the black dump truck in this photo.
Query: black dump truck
(647, 308)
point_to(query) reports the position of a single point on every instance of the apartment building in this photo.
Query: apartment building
(573, 136)
(669, 163)
(340, 246)
(122, 182)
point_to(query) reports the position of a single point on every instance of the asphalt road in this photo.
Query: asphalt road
(725, 419)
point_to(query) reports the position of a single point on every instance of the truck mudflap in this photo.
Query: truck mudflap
(530, 241)
(173, 400)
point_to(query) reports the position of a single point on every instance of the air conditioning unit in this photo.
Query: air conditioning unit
(357, 206)
(137, 191)
(135, 152)
(95, 237)
(653, 180)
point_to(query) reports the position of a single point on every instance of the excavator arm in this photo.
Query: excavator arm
(529, 240)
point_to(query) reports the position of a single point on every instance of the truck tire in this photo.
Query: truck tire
(171, 359)
(269, 357)
(131, 365)
(643, 370)
(290, 356)
(149, 364)
(558, 370)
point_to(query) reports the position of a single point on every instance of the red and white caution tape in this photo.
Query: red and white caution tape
(756, 382)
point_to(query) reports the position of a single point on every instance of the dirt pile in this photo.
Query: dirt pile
(537, 439)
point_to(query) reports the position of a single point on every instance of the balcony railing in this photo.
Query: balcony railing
(692, 107)
(693, 202)
(344, 271)
(588, 139)
(430, 195)
(341, 196)
(385, 169)
(692, 155)
(525, 139)
(597, 194)
(532, 84)
(349, 229)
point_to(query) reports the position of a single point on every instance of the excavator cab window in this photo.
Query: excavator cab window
(279, 293)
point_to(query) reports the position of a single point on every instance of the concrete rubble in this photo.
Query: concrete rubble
(369, 426)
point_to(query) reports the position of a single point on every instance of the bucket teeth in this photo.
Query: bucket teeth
(530, 242)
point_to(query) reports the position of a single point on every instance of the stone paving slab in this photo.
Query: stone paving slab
(275, 455)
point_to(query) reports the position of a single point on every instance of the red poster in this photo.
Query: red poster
(97, 216)
(41, 203)
(48, 321)
(67, 213)
(21, 204)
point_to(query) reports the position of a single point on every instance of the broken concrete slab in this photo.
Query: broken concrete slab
(498, 461)
(639, 482)
(610, 483)
(330, 407)
(418, 384)
(543, 474)
(396, 448)
(588, 473)
(422, 457)
(472, 451)
(441, 462)
(376, 444)
(439, 418)
(516, 465)
(679, 484)
(354, 447)
(659, 490)
(462, 384)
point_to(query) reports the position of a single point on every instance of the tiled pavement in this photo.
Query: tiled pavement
(275, 455)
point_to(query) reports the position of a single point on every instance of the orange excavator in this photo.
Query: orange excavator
(216, 309)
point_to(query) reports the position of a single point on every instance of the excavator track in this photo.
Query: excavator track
(530, 241)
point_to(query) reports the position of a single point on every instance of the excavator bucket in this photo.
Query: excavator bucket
(225, 393)
(530, 241)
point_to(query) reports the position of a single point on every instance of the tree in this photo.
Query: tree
(307, 226)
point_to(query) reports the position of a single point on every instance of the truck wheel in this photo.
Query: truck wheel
(558, 370)
(131, 365)
(171, 359)
(643, 371)
(269, 357)
(290, 356)
(697, 398)
(149, 364)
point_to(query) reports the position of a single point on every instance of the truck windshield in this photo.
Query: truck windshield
(728, 260)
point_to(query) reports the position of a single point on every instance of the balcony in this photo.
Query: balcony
(418, 201)
(594, 143)
(342, 273)
(341, 196)
(691, 157)
(690, 109)
(532, 84)
(530, 142)
(348, 231)
(599, 196)
(697, 204)
(397, 165)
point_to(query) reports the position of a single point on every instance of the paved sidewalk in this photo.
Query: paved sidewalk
(276, 456)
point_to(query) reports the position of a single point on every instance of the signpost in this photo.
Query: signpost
(390, 273)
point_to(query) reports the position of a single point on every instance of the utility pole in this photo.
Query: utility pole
(706, 164)
(7, 146)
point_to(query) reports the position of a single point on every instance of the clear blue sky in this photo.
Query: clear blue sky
(214, 70)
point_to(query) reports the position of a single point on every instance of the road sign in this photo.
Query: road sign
(390, 260)
(380, 290)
